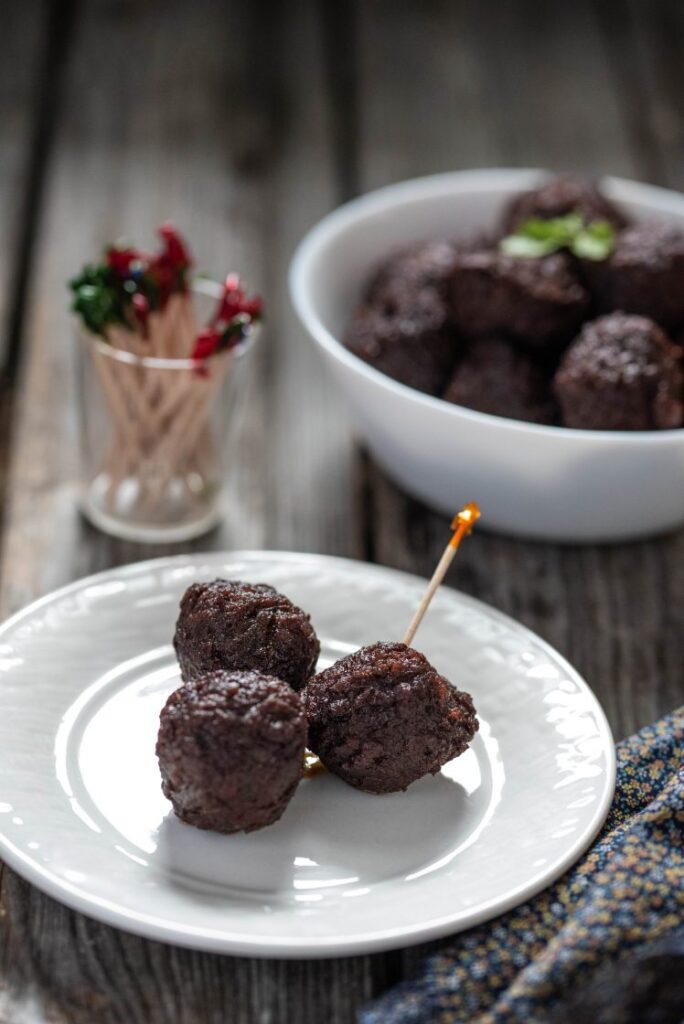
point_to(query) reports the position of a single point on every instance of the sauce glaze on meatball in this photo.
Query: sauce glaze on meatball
(644, 274)
(622, 373)
(228, 624)
(230, 749)
(383, 717)
(494, 377)
(539, 301)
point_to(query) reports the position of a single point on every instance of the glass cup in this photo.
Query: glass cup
(154, 433)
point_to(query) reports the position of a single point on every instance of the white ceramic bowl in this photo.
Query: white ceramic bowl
(530, 480)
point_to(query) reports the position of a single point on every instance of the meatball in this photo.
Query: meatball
(644, 274)
(495, 377)
(410, 271)
(227, 624)
(558, 197)
(230, 749)
(540, 301)
(622, 373)
(409, 341)
(383, 717)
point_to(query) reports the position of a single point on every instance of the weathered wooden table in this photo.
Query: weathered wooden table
(245, 122)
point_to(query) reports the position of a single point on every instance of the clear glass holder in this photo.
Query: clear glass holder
(154, 431)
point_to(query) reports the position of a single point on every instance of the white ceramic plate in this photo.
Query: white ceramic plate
(85, 671)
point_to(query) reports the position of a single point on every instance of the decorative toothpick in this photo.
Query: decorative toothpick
(462, 524)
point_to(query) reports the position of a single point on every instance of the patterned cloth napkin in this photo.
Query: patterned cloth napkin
(622, 904)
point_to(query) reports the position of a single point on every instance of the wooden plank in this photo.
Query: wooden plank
(23, 30)
(198, 114)
(656, 32)
(22, 92)
(423, 90)
(552, 92)
(449, 85)
(311, 500)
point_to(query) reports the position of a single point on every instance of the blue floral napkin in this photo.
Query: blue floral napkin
(621, 906)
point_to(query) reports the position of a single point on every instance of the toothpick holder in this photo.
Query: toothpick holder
(155, 429)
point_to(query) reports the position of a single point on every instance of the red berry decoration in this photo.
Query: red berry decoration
(234, 315)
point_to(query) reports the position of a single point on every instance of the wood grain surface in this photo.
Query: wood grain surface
(245, 122)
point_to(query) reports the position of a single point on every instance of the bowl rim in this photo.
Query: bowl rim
(324, 232)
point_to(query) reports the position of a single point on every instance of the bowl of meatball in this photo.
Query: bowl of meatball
(515, 337)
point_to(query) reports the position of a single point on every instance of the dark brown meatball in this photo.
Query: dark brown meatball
(383, 717)
(644, 274)
(409, 271)
(228, 624)
(540, 302)
(495, 377)
(558, 197)
(411, 342)
(230, 749)
(622, 373)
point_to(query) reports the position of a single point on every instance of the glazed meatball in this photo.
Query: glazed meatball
(410, 271)
(228, 624)
(540, 302)
(230, 749)
(383, 717)
(622, 373)
(644, 274)
(409, 341)
(496, 378)
(558, 197)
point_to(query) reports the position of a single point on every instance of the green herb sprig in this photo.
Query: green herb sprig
(536, 237)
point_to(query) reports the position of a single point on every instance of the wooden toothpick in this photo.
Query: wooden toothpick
(462, 524)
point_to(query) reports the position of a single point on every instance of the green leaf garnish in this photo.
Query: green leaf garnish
(96, 298)
(527, 247)
(595, 242)
(538, 237)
